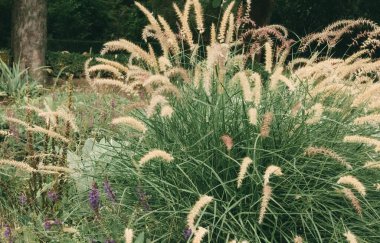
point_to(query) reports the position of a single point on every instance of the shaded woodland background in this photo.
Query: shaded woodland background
(79, 25)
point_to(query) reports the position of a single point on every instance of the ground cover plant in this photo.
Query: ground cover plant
(210, 147)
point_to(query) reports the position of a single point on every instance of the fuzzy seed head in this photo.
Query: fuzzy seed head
(351, 238)
(131, 122)
(267, 193)
(354, 182)
(353, 199)
(156, 154)
(265, 128)
(228, 142)
(298, 239)
(128, 235)
(243, 170)
(252, 115)
(272, 169)
(196, 210)
(312, 151)
(362, 139)
(199, 234)
(372, 165)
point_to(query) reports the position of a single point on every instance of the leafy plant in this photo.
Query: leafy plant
(224, 153)
(15, 83)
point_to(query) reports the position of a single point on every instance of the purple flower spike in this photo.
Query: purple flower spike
(8, 234)
(186, 233)
(23, 199)
(143, 198)
(94, 197)
(47, 225)
(110, 194)
(110, 241)
(53, 196)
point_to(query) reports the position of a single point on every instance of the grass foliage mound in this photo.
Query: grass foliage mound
(212, 147)
(229, 153)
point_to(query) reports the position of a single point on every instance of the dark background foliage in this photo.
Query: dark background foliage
(79, 25)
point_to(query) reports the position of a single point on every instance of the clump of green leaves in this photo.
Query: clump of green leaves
(15, 83)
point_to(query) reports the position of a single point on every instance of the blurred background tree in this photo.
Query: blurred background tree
(78, 25)
(82, 26)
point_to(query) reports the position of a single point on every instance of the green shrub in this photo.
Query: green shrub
(15, 83)
(307, 127)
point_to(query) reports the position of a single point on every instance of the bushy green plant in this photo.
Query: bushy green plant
(280, 157)
(15, 83)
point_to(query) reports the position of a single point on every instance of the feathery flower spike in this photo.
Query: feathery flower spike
(267, 193)
(272, 169)
(199, 234)
(351, 238)
(354, 182)
(265, 128)
(353, 199)
(132, 122)
(228, 142)
(128, 235)
(155, 154)
(195, 211)
(243, 170)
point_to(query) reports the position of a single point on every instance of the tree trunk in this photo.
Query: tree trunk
(29, 20)
(261, 11)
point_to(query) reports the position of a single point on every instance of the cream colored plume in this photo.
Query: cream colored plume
(267, 194)
(19, 165)
(362, 139)
(351, 238)
(317, 111)
(156, 154)
(243, 170)
(298, 239)
(199, 234)
(268, 57)
(372, 165)
(271, 170)
(252, 116)
(354, 182)
(196, 210)
(224, 22)
(311, 151)
(132, 122)
(353, 199)
(265, 127)
(128, 235)
(154, 102)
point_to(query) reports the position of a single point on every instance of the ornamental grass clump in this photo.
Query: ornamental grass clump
(281, 154)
